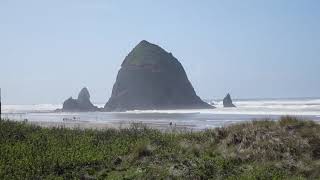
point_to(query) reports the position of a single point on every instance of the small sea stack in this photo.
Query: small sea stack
(227, 101)
(151, 78)
(82, 104)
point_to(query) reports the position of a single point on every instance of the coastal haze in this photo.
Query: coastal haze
(265, 52)
(182, 89)
(252, 49)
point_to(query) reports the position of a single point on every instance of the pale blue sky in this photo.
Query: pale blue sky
(49, 50)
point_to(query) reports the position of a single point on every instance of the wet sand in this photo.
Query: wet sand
(163, 126)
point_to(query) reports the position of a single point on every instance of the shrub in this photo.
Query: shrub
(261, 149)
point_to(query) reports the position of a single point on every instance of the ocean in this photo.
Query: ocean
(246, 110)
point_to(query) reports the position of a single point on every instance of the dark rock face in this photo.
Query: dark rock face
(151, 78)
(70, 105)
(83, 103)
(227, 101)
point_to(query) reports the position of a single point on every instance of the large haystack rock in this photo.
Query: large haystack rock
(151, 78)
(82, 104)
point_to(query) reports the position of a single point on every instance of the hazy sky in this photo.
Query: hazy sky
(50, 49)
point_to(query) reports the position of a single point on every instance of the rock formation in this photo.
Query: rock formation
(151, 78)
(227, 101)
(83, 103)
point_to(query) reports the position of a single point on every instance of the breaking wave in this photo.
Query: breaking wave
(246, 110)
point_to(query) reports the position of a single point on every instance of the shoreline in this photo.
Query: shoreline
(162, 126)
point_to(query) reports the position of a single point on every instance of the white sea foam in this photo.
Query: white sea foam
(40, 108)
(30, 108)
(243, 111)
(256, 107)
(276, 107)
(200, 118)
(259, 107)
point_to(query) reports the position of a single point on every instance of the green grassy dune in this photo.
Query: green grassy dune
(284, 149)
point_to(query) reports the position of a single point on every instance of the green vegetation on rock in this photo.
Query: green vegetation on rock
(151, 78)
(284, 149)
(146, 53)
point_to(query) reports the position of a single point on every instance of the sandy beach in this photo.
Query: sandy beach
(163, 126)
(43, 115)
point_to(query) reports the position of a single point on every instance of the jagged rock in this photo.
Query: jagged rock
(151, 78)
(83, 103)
(70, 105)
(227, 101)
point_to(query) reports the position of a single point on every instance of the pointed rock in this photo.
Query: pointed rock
(227, 101)
(84, 95)
(83, 103)
(151, 78)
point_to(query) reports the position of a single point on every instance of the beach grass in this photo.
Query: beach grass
(288, 148)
